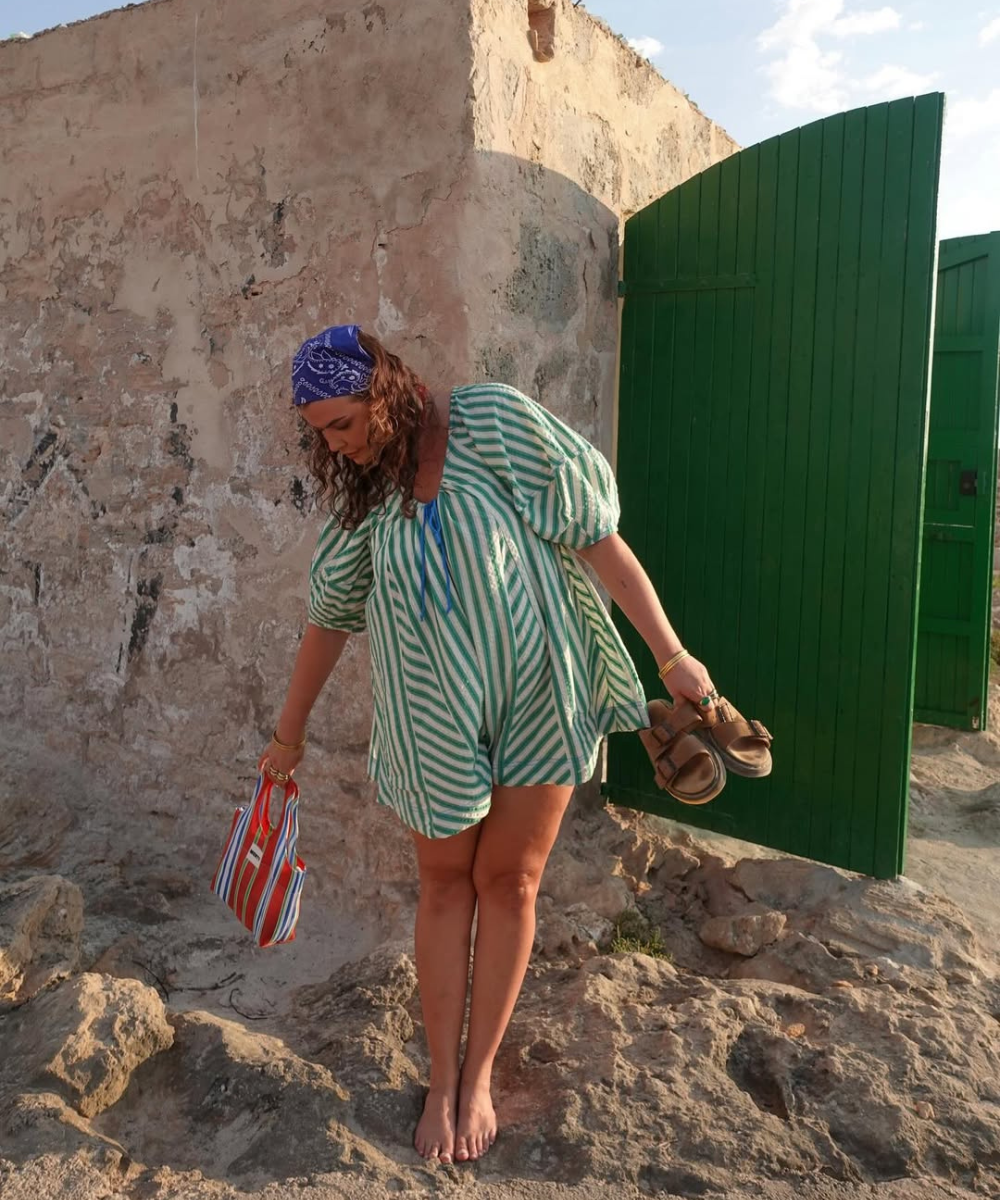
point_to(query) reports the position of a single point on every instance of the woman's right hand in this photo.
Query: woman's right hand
(276, 761)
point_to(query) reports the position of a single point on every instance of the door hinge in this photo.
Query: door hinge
(968, 483)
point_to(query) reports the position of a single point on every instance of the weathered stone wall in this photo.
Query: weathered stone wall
(564, 152)
(189, 190)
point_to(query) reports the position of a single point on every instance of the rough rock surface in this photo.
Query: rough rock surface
(83, 1041)
(859, 1049)
(41, 919)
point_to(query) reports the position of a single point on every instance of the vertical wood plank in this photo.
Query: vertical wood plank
(739, 417)
(800, 483)
(880, 660)
(910, 457)
(813, 773)
(751, 673)
(725, 437)
(709, 365)
(773, 698)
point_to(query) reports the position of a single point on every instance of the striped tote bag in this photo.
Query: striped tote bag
(259, 875)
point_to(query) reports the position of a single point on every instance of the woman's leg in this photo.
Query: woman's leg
(444, 922)
(514, 846)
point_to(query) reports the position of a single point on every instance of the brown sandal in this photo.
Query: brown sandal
(744, 746)
(692, 771)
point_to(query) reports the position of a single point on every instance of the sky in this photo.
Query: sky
(760, 67)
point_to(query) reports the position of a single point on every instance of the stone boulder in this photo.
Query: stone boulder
(571, 932)
(360, 1022)
(40, 1127)
(83, 1041)
(232, 1103)
(746, 934)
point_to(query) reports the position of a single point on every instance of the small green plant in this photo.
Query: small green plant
(633, 934)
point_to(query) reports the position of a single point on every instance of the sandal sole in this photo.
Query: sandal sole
(737, 768)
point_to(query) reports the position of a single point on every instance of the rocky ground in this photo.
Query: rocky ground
(810, 1035)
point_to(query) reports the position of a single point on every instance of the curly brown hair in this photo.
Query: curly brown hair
(398, 411)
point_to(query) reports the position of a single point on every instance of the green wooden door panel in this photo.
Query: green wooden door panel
(957, 568)
(773, 415)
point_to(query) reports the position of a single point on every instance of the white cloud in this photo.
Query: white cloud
(875, 21)
(800, 23)
(990, 33)
(888, 82)
(804, 20)
(648, 47)
(808, 78)
(973, 118)
(806, 75)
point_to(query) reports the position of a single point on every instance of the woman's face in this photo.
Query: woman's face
(343, 422)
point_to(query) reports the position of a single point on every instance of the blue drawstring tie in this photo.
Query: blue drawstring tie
(433, 518)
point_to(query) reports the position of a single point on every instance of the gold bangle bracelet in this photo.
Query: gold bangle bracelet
(671, 663)
(284, 745)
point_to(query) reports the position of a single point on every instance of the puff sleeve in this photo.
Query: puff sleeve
(561, 485)
(340, 578)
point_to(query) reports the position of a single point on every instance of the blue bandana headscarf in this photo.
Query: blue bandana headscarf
(333, 363)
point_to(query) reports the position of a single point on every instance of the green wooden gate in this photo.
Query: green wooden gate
(775, 343)
(957, 570)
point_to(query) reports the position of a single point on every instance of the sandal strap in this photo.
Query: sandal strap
(668, 723)
(673, 745)
(728, 725)
(682, 749)
(760, 731)
(733, 731)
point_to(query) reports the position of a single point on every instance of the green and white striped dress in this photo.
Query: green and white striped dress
(518, 681)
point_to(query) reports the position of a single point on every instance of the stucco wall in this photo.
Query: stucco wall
(188, 190)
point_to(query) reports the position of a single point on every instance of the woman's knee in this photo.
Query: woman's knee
(445, 888)
(515, 889)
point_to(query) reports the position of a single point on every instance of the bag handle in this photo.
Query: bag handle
(262, 802)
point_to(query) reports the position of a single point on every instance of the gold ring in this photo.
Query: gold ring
(278, 776)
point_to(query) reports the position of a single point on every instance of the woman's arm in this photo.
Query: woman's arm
(318, 653)
(630, 588)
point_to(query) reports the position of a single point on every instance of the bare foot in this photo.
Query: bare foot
(435, 1135)
(477, 1123)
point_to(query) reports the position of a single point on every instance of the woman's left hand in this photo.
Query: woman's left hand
(690, 680)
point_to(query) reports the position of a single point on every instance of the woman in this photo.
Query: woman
(456, 525)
